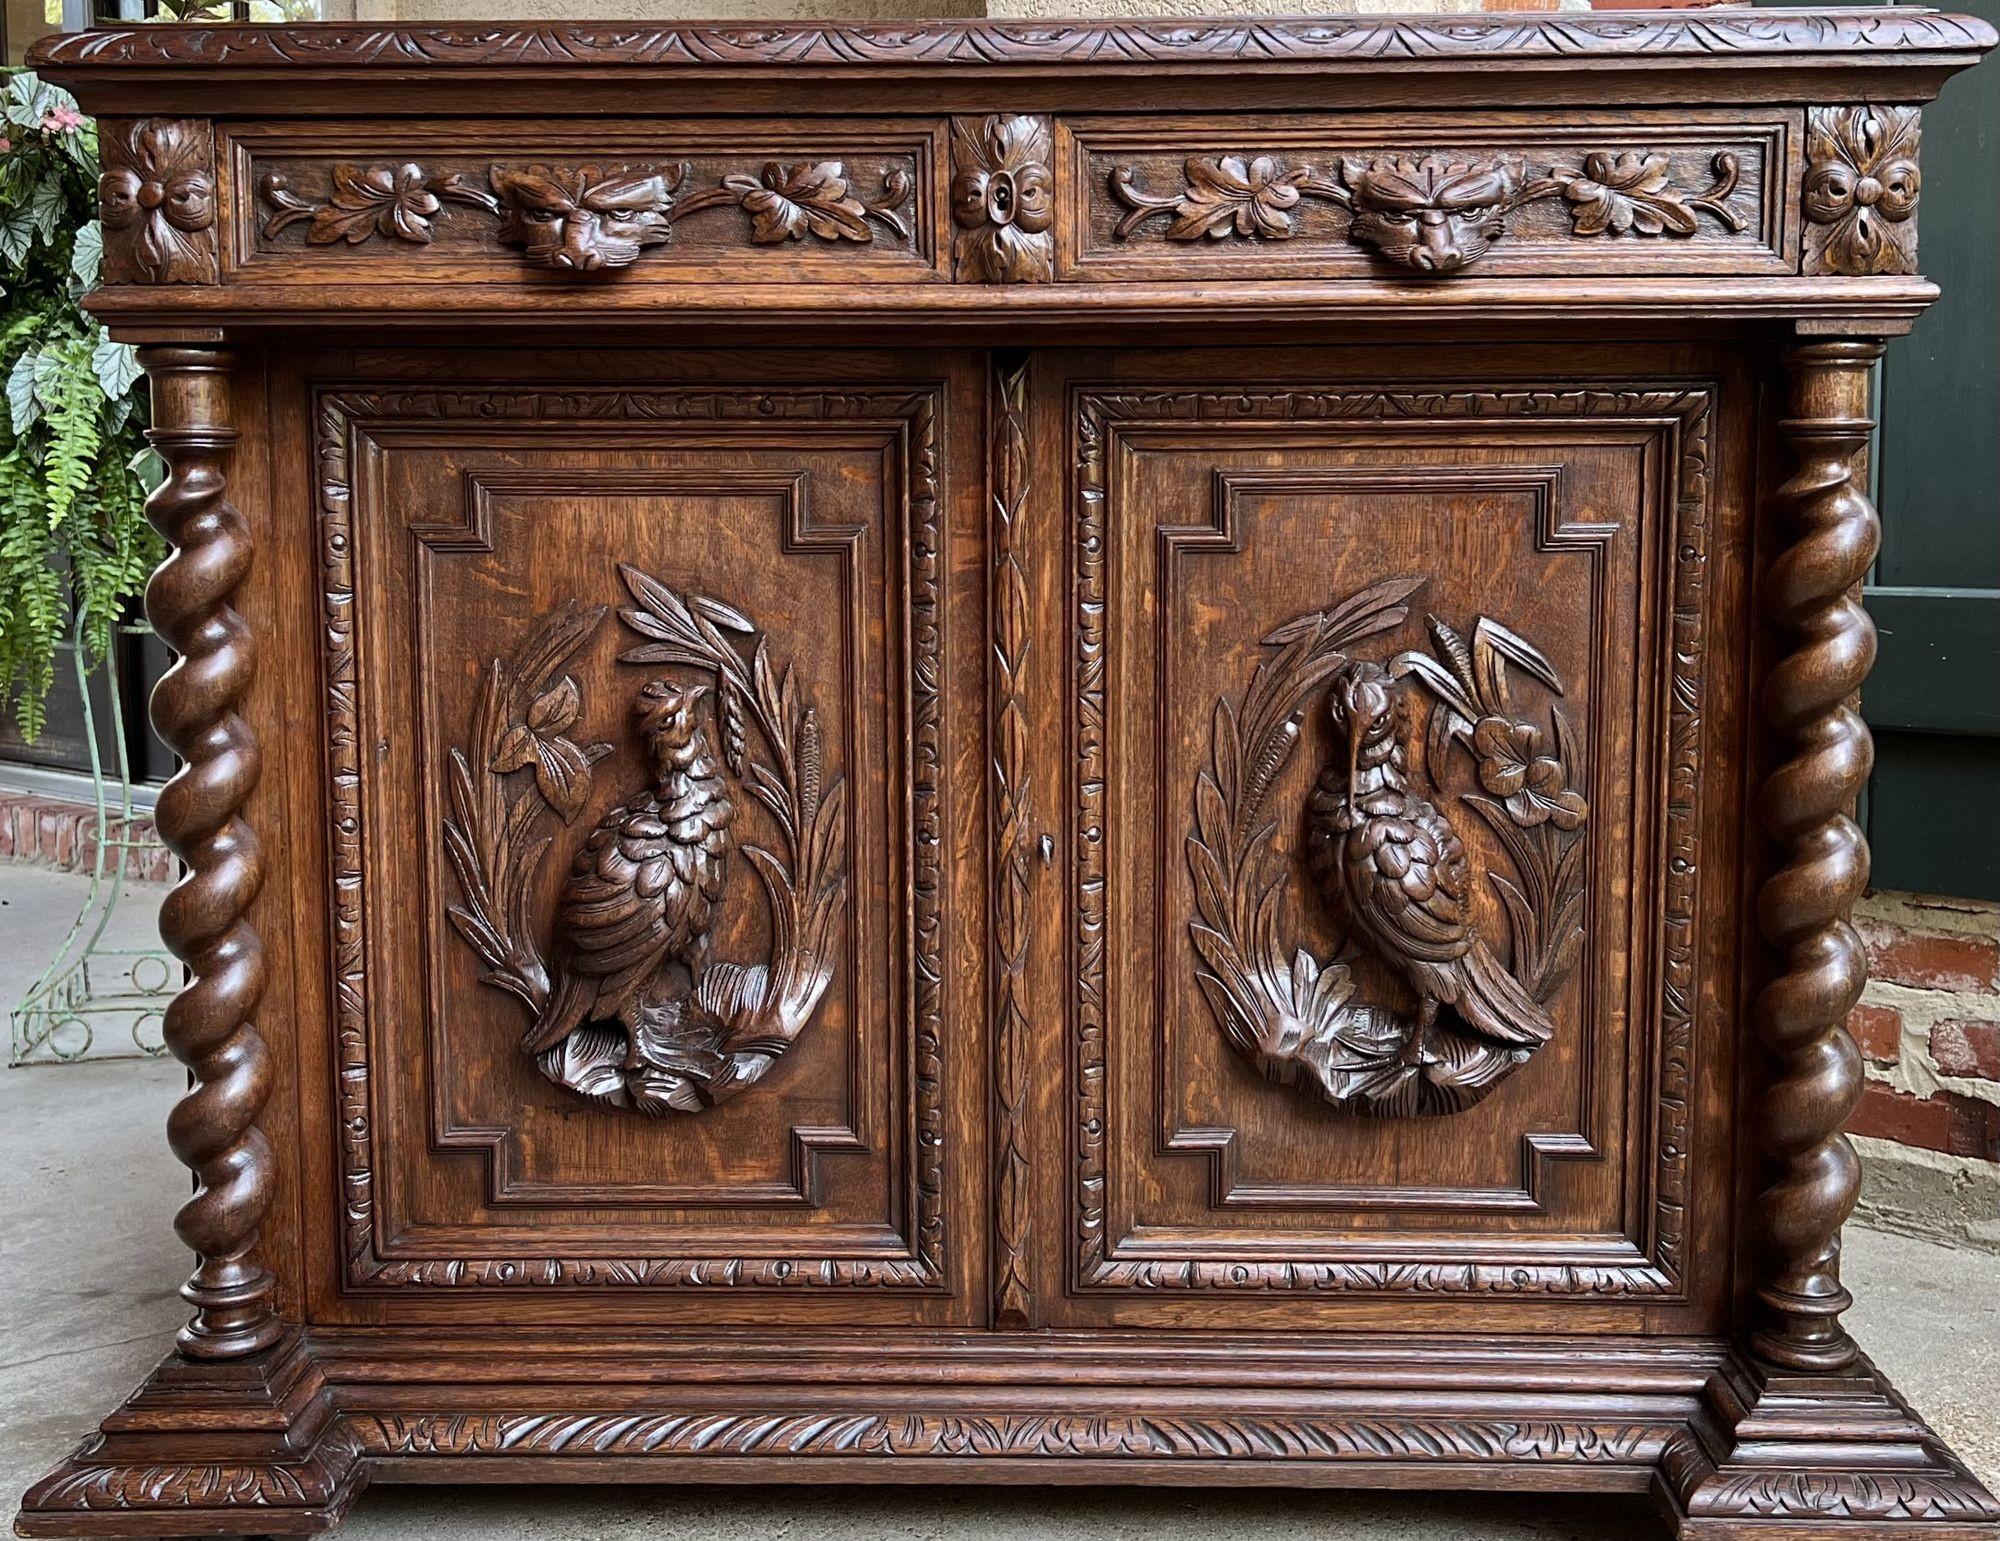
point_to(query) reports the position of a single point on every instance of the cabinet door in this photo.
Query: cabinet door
(643, 734)
(1391, 926)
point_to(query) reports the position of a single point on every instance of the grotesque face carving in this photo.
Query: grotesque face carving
(578, 219)
(1431, 215)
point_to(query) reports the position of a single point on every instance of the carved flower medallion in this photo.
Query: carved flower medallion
(1861, 190)
(1002, 199)
(157, 200)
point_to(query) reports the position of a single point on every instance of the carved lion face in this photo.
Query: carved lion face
(1430, 215)
(581, 220)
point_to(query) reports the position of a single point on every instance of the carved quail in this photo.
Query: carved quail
(641, 895)
(1393, 865)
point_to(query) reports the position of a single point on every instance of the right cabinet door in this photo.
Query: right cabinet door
(1393, 918)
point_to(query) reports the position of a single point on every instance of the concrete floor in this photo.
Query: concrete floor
(88, 1269)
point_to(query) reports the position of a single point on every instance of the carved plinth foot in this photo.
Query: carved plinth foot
(240, 1447)
(1787, 1456)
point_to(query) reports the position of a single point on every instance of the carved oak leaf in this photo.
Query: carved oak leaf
(389, 200)
(157, 200)
(1631, 193)
(1252, 197)
(791, 202)
(1861, 187)
(562, 768)
(1623, 193)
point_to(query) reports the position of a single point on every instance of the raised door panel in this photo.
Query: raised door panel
(1387, 924)
(640, 740)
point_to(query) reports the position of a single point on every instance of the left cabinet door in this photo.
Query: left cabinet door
(643, 743)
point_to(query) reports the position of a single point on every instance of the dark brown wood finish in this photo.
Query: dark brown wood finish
(1082, 751)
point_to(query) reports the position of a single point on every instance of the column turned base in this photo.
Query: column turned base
(1779, 1455)
(237, 1447)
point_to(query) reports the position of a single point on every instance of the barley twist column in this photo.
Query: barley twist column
(1807, 807)
(210, 1027)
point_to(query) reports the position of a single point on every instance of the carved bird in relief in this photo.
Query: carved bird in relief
(1392, 864)
(639, 902)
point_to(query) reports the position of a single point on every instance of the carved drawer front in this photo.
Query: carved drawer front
(1381, 910)
(830, 200)
(1259, 198)
(638, 737)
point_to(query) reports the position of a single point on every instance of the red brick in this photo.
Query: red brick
(1887, 1114)
(1967, 1048)
(1879, 1032)
(1958, 1126)
(1929, 960)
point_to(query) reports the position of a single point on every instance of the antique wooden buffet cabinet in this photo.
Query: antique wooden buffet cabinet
(1017, 752)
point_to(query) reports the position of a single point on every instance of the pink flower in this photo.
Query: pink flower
(6, 145)
(61, 120)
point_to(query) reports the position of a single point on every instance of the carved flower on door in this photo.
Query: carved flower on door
(1002, 199)
(1533, 785)
(1861, 188)
(157, 200)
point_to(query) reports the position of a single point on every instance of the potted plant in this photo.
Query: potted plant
(75, 548)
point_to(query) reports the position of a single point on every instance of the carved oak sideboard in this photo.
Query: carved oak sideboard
(1017, 752)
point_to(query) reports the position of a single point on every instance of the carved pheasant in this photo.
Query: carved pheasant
(1393, 865)
(641, 895)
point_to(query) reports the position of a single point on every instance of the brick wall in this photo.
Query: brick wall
(51, 833)
(1929, 1028)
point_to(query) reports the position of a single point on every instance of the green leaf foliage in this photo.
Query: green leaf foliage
(75, 547)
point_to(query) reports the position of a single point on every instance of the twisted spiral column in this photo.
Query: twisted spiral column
(210, 1027)
(1807, 806)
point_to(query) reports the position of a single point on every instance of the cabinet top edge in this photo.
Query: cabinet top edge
(1573, 39)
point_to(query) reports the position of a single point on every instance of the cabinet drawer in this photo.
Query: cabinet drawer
(685, 202)
(1275, 198)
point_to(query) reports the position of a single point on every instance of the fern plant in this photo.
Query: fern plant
(75, 547)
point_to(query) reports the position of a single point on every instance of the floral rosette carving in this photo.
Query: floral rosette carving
(1861, 190)
(1443, 1021)
(156, 197)
(1002, 199)
(626, 1005)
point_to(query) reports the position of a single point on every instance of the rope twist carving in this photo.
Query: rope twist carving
(1807, 806)
(210, 1026)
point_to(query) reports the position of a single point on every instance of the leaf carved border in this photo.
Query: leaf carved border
(936, 44)
(842, 1432)
(914, 412)
(1686, 411)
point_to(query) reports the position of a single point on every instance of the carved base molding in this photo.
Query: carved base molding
(284, 1444)
(252, 1446)
(1776, 1455)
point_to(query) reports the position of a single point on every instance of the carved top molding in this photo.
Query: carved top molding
(1374, 42)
